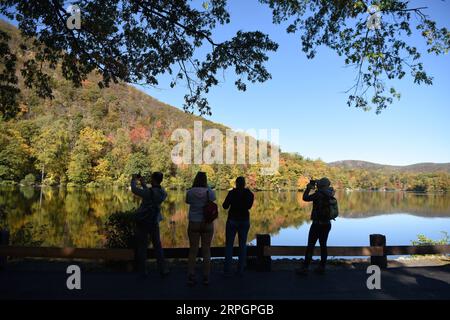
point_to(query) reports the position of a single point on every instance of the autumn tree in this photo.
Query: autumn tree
(159, 156)
(86, 161)
(131, 41)
(138, 163)
(137, 41)
(14, 154)
(51, 149)
(120, 152)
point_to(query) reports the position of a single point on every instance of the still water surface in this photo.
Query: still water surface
(74, 217)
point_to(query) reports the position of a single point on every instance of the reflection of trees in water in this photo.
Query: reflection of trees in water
(366, 204)
(75, 217)
(269, 214)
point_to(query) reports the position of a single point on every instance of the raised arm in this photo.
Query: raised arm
(137, 191)
(226, 203)
(251, 198)
(309, 197)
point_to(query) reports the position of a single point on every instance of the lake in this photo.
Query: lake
(75, 217)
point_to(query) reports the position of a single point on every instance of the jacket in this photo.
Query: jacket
(319, 199)
(239, 202)
(154, 196)
(197, 199)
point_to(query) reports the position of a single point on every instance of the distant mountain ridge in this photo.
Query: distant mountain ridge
(423, 167)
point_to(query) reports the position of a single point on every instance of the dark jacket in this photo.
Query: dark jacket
(319, 199)
(154, 196)
(239, 202)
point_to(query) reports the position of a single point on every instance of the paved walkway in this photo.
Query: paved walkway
(396, 283)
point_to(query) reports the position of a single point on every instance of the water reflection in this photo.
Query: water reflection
(75, 217)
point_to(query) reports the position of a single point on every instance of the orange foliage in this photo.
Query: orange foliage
(138, 134)
(110, 137)
(251, 180)
(302, 182)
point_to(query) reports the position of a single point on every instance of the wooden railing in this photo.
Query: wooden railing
(263, 251)
(332, 251)
(377, 251)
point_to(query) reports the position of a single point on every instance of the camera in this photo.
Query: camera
(313, 182)
(136, 176)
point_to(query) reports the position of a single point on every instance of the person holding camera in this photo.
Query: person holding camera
(147, 218)
(321, 222)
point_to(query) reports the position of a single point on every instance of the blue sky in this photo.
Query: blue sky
(305, 100)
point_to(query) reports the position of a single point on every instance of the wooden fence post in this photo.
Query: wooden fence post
(4, 240)
(264, 263)
(378, 240)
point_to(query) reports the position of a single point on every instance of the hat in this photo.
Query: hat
(323, 183)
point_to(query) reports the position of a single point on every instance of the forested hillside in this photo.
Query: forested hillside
(417, 167)
(95, 137)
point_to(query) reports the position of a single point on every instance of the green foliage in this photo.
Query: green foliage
(119, 230)
(14, 154)
(88, 136)
(9, 93)
(379, 55)
(144, 40)
(119, 153)
(159, 156)
(163, 37)
(29, 180)
(28, 235)
(422, 240)
(86, 161)
(138, 163)
(51, 150)
(79, 169)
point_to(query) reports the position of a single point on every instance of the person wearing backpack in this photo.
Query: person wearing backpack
(147, 218)
(323, 211)
(239, 201)
(201, 225)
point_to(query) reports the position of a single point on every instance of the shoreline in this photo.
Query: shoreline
(7, 183)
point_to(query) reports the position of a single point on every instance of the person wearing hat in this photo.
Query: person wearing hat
(321, 223)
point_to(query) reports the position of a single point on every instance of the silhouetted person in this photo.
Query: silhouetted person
(199, 230)
(239, 201)
(147, 226)
(321, 223)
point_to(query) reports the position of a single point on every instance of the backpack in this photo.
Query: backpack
(210, 210)
(330, 210)
(147, 214)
